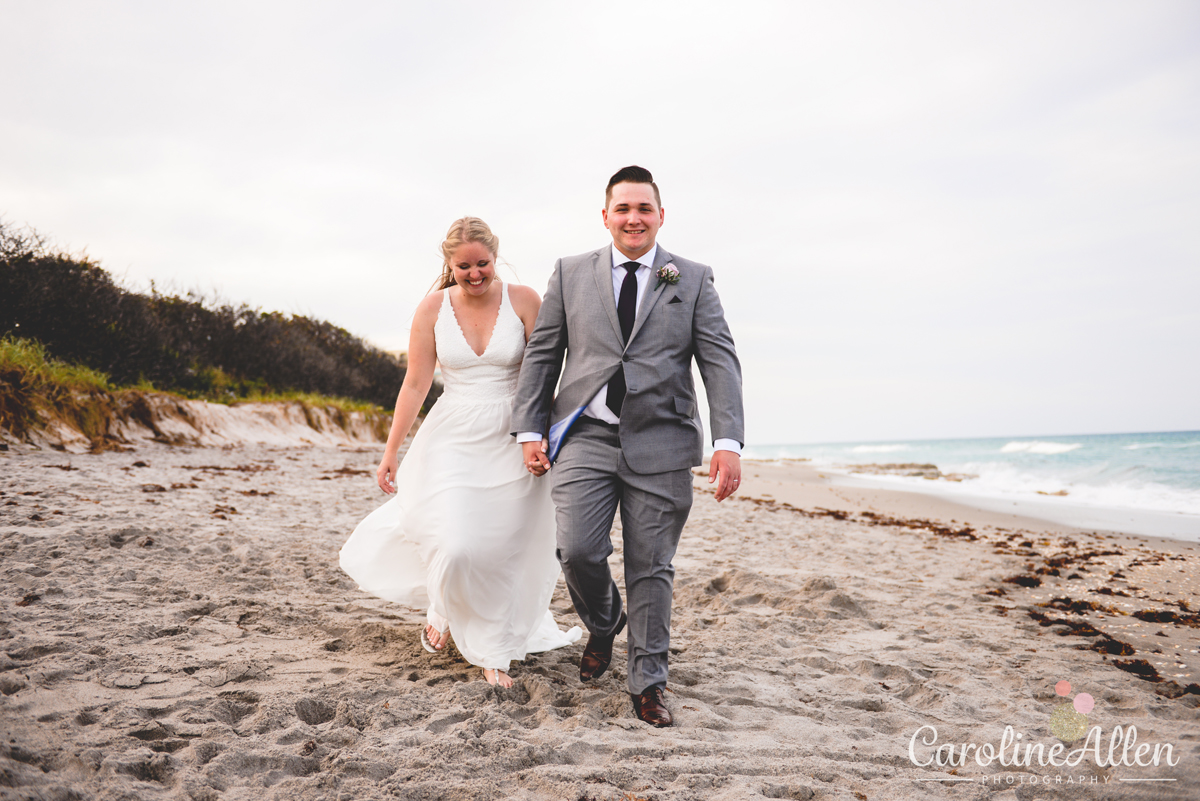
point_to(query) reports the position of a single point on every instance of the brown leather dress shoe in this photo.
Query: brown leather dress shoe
(651, 708)
(598, 653)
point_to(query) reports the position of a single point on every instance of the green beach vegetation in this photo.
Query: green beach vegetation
(33, 386)
(71, 336)
(37, 391)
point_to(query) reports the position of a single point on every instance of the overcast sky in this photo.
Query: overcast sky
(926, 219)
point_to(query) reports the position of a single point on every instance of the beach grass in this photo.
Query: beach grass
(348, 405)
(37, 391)
(34, 387)
(29, 360)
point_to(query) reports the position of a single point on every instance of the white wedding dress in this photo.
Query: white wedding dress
(469, 534)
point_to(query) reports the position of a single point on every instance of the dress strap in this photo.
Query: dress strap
(445, 313)
(512, 308)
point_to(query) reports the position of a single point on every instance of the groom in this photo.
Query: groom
(629, 318)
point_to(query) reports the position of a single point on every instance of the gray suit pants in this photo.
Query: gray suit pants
(588, 481)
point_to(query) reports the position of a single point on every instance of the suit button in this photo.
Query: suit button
(624, 358)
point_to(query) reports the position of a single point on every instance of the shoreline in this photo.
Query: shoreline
(1137, 574)
(859, 489)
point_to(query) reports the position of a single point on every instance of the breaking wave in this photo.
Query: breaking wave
(1042, 448)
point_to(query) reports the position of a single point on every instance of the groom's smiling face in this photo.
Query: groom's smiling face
(633, 218)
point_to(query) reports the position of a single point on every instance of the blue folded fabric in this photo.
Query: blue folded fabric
(559, 430)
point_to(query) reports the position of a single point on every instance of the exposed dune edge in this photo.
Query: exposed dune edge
(101, 421)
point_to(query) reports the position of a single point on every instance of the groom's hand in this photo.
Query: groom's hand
(535, 457)
(726, 469)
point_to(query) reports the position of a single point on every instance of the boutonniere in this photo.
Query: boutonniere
(667, 274)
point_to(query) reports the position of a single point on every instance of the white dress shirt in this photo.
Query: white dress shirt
(598, 407)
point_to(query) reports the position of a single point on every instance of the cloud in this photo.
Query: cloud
(927, 219)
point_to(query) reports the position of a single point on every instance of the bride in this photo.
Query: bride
(469, 535)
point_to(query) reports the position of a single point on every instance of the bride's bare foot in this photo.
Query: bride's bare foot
(497, 677)
(437, 639)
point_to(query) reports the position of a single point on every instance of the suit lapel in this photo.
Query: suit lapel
(602, 272)
(661, 259)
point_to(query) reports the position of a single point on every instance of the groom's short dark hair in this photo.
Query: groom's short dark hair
(631, 175)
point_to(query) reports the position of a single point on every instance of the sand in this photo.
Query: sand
(175, 626)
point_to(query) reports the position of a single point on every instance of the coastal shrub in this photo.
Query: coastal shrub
(190, 345)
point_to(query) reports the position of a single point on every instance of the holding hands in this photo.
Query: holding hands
(536, 461)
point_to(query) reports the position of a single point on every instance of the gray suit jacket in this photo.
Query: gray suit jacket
(660, 425)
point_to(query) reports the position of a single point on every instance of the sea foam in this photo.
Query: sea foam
(1139, 446)
(1044, 448)
(878, 448)
(1154, 472)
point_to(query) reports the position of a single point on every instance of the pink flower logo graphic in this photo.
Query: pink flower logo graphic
(1068, 722)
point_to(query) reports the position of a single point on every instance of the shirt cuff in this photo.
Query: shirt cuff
(528, 436)
(726, 445)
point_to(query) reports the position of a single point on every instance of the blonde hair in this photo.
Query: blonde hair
(463, 230)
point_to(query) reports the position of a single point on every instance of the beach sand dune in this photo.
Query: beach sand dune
(175, 626)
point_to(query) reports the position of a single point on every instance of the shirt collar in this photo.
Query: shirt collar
(646, 259)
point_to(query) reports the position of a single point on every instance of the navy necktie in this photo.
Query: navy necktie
(626, 310)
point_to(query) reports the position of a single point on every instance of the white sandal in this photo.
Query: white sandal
(496, 675)
(428, 645)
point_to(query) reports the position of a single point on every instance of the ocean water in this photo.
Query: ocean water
(1157, 472)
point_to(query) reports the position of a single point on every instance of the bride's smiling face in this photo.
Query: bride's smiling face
(474, 268)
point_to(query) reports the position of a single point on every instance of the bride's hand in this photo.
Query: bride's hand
(385, 475)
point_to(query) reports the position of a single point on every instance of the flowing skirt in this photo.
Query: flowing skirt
(469, 536)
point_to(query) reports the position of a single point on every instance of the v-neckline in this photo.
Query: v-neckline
(495, 323)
